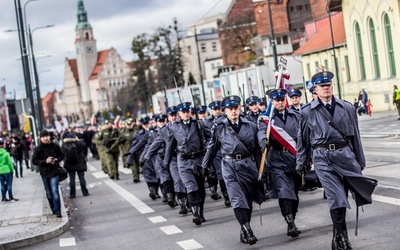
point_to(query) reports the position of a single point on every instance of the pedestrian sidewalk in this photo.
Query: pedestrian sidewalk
(379, 115)
(29, 220)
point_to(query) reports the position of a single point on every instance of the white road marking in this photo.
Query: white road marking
(125, 170)
(100, 175)
(385, 199)
(67, 242)
(168, 230)
(91, 167)
(157, 219)
(189, 244)
(133, 200)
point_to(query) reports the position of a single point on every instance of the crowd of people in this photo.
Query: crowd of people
(259, 153)
(186, 150)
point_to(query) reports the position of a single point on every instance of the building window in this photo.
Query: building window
(203, 47)
(214, 46)
(278, 40)
(317, 67)
(347, 65)
(326, 64)
(360, 53)
(285, 39)
(375, 55)
(189, 50)
(389, 45)
(212, 66)
(308, 71)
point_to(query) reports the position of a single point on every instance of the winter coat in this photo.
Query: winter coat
(41, 153)
(82, 152)
(6, 165)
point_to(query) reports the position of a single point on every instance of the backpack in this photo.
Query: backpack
(71, 153)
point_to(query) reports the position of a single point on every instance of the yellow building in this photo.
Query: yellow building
(374, 56)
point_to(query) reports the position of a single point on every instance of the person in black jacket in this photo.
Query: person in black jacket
(17, 153)
(75, 146)
(47, 156)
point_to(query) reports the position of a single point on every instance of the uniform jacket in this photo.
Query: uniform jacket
(137, 144)
(240, 175)
(253, 116)
(281, 165)
(339, 166)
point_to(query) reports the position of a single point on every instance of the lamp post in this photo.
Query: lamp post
(24, 57)
(199, 62)
(271, 26)
(36, 76)
(334, 51)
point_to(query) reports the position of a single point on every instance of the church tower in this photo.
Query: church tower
(86, 57)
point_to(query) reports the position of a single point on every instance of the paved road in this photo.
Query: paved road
(120, 215)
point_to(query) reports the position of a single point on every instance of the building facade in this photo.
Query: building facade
(92, 81)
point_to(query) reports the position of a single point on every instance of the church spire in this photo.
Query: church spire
(83, 22)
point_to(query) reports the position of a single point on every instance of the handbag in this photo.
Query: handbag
(62, 173)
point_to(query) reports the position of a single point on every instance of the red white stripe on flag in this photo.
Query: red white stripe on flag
(282, 137)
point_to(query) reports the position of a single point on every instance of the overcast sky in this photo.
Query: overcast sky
(114, 23)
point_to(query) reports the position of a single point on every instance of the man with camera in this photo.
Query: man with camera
(47, 156)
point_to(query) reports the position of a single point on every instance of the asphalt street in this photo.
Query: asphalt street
(120, 215)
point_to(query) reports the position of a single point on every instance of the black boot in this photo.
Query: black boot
(214, 194)
(291, 229)
(182, 205)
(347, 244)
(338, 240)
(226, 197)
(152, 193)
(171, 199)
(243, 236)
(196, 215)
(251, 238)
(201, 213)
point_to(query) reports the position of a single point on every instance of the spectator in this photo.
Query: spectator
(47, 156)
(364, 99)
(6, 171)
(369, 106)
(26, 140)
(396, 99)
(17, 152)
(71, 145)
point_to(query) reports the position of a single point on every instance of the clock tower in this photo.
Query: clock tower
(86, 57)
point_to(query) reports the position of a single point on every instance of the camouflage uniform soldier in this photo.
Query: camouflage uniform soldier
(126, 134)
(97, 139)
(109, 137)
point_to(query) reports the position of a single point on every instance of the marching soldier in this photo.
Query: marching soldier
(329, 133)
(188, 137)
(100, 147)
(254, 111)
(216, 114)
(313, 93)
(236, 139)
(127, 135)
(179, 187)
(202, 112)
(281, 161)
(157, 149)
(111, 140)
(295, 98)
(262, 105)
(137, 144)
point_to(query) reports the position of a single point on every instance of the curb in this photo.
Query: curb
(47, 235)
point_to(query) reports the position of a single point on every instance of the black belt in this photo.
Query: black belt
(237, 156)
(193, 154)
(283, 149)
(330, 147)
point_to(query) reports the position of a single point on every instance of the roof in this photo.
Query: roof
(74, 68)
(101, 57)
(48, 97)
(322, 40)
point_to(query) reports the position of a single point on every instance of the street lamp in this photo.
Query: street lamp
(36, 76)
